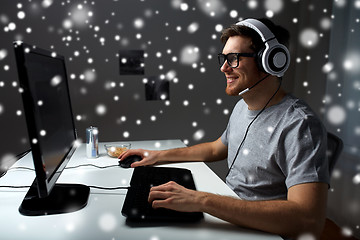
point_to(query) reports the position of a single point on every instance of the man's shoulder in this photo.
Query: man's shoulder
(298, 114)
(296, 107)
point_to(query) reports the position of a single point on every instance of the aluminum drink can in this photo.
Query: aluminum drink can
(92, 141)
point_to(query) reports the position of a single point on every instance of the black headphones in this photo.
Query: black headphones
(275, 57)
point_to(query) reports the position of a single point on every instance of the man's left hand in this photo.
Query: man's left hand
(176, 197)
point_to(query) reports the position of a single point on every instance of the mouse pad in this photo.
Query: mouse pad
(136, 207)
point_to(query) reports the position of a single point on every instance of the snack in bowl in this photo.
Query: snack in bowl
(115, 150)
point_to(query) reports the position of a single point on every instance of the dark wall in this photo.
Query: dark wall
(90, 35)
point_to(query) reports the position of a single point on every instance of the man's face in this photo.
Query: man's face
(244, 75)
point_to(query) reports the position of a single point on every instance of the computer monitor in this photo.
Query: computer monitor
(51, 130)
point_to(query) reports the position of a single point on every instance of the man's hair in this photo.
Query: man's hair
(281, 34)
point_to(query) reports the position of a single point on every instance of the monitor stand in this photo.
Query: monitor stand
(63, 198)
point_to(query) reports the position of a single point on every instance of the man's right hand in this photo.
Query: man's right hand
(148, 157)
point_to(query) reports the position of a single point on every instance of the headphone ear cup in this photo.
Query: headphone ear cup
(280, 59)
(276, 59)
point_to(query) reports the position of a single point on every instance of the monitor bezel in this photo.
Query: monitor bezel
(44, 183)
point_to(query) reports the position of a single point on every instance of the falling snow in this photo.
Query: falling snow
(309, 38)
(336, 115)
(180, 41)
(56, 80)
(107, 222)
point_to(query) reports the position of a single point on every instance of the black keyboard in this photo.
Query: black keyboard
(136, 206)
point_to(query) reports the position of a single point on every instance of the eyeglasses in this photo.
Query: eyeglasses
(233, 58)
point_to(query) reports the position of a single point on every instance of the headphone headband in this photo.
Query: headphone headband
(259, 27)
(275, 58)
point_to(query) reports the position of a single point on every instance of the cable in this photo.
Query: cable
(97, 187)
(108, 188)
(23, 168)
(248, 127)
(14, 186)
(17, 158)
(92, 165)
(83, 165)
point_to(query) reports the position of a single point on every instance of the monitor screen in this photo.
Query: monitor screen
(48, 112)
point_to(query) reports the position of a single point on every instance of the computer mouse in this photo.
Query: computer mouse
(126, 163)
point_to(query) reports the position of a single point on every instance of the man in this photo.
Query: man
(274, 144)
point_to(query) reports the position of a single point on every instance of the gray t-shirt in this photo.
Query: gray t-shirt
(285, 146)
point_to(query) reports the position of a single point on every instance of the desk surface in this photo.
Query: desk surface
(102, 218)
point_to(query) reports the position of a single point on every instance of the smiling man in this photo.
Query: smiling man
(274, 144)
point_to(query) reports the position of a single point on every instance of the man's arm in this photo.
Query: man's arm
(302, 213)
(211, 151)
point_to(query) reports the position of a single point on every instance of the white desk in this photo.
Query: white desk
(102, 218)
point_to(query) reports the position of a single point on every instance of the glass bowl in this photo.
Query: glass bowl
(116, 149)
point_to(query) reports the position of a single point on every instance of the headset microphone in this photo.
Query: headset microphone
(244, 91)
(248, 89)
